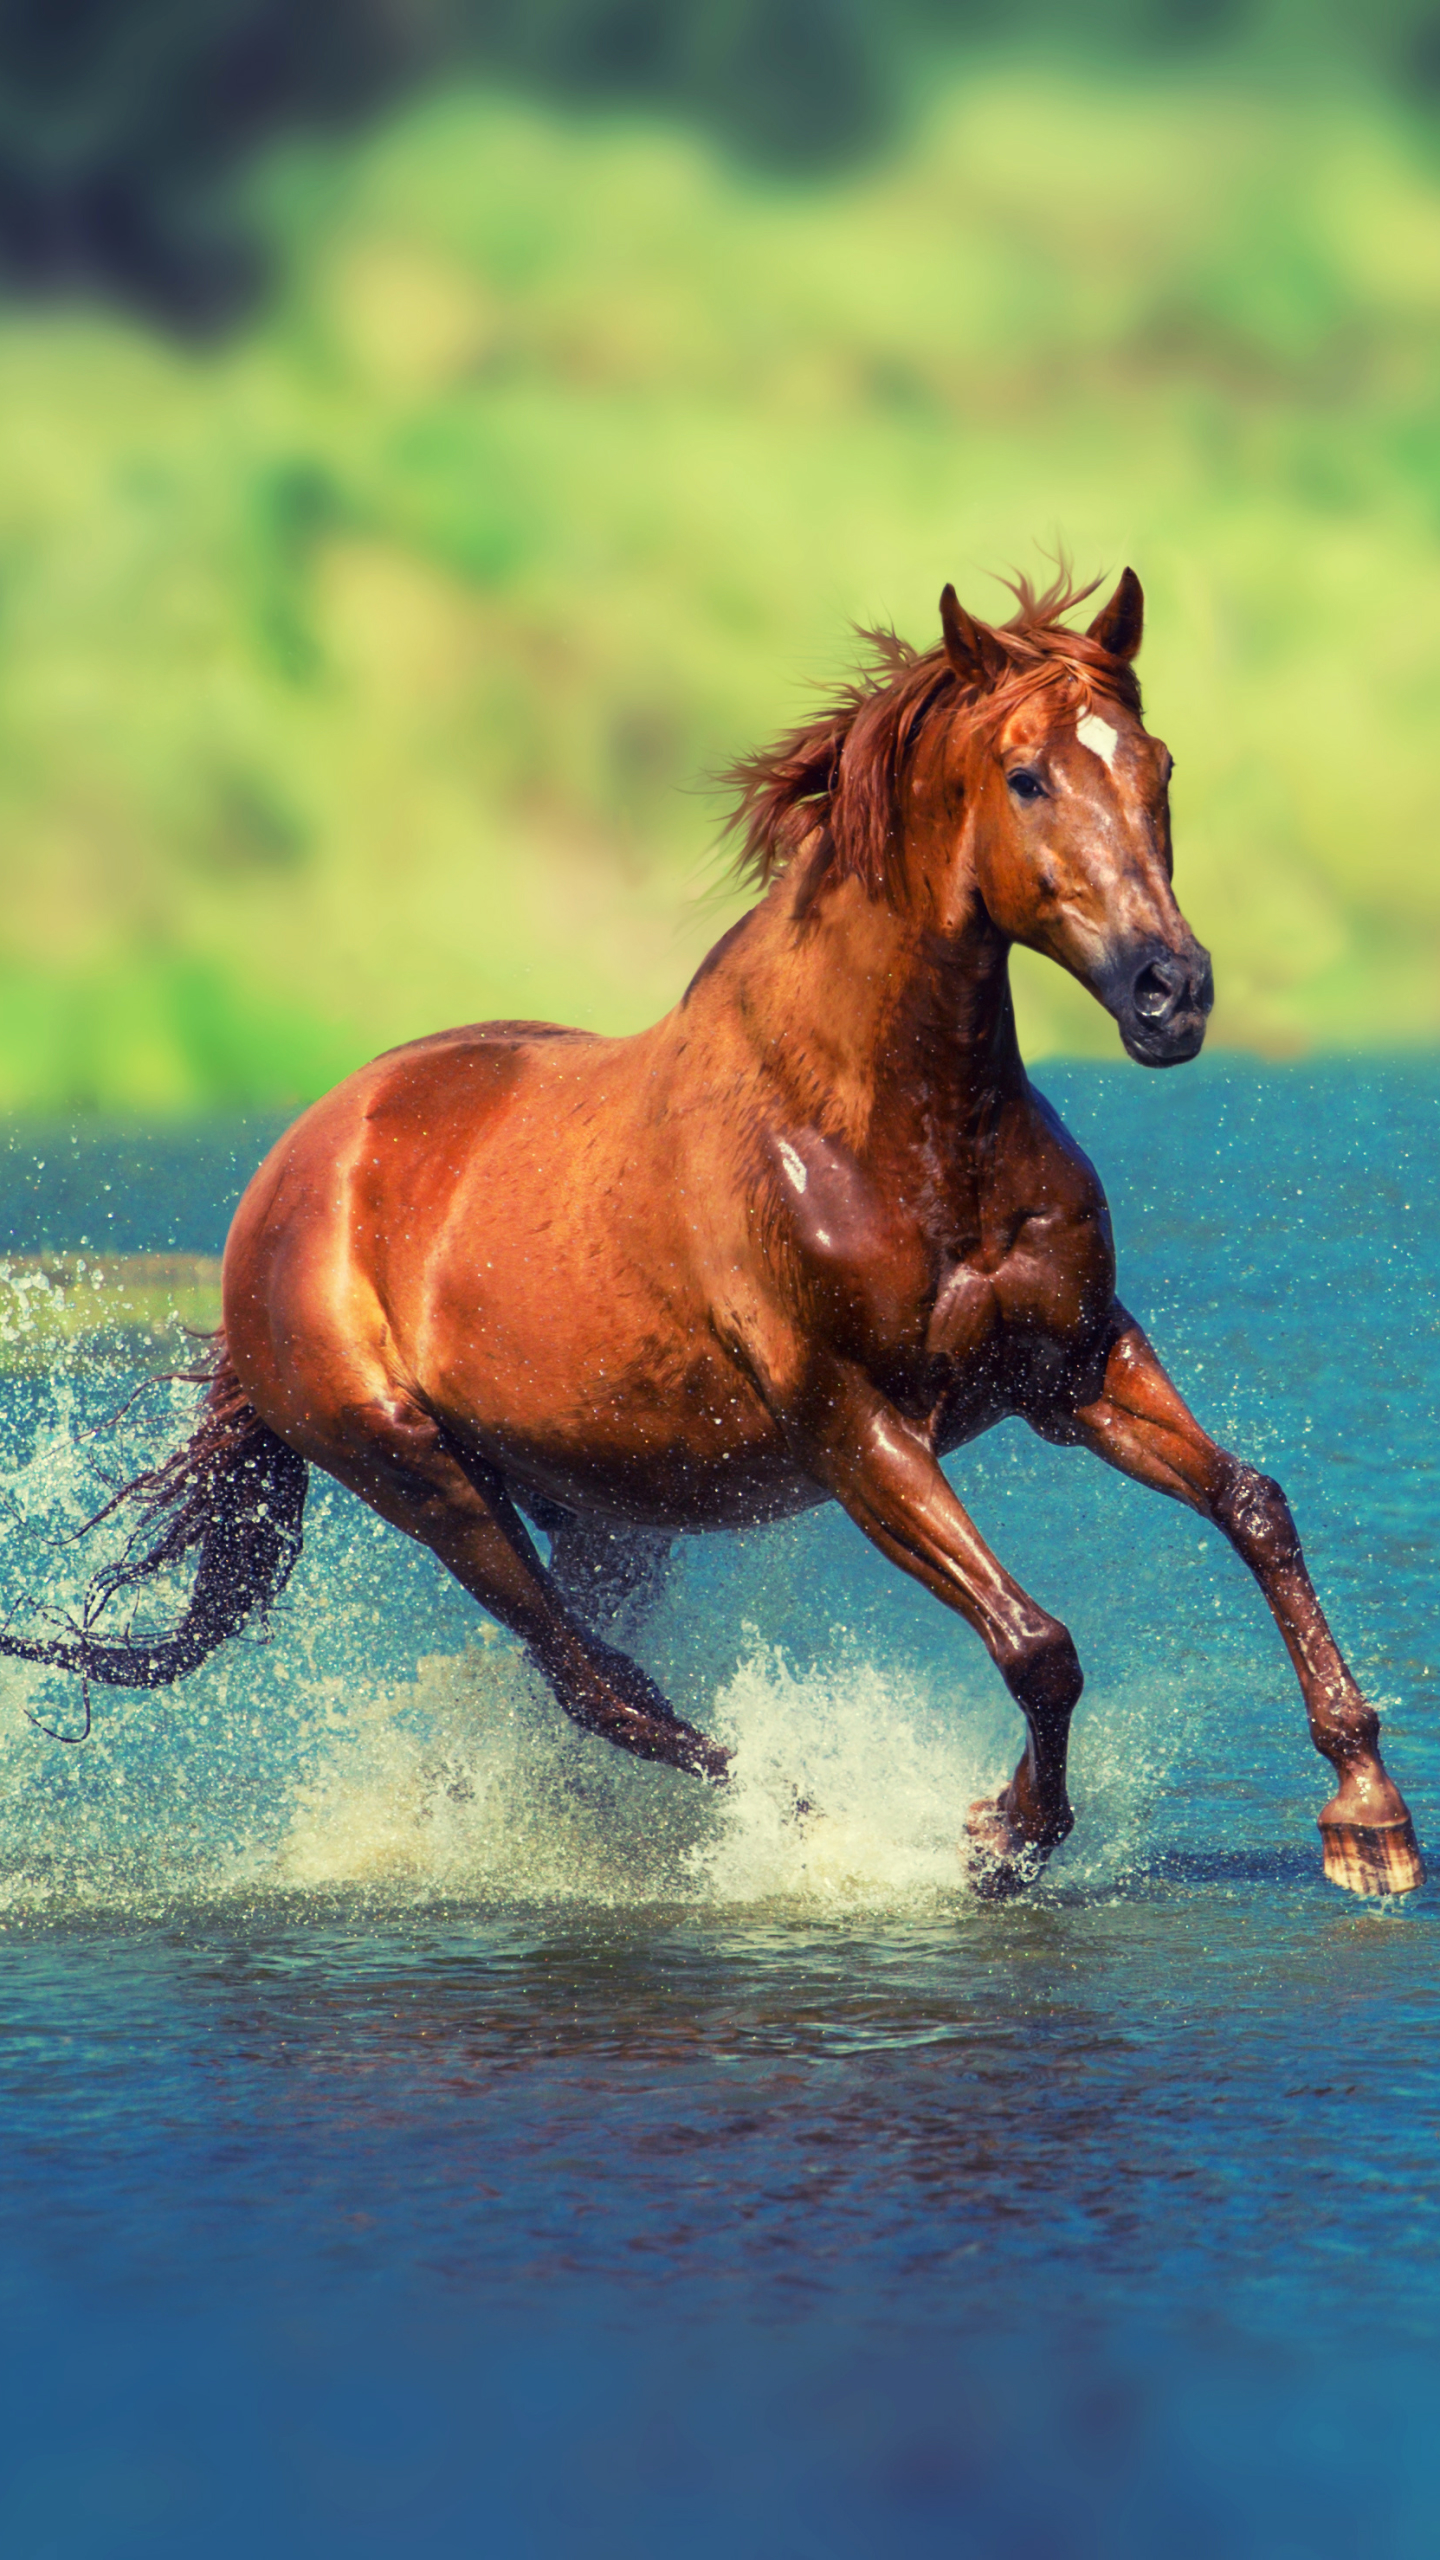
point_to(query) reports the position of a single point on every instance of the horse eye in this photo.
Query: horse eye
(1026, 786)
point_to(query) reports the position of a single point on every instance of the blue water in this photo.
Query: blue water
(423, 2130)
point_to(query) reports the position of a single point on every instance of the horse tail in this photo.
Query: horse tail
(235, 1491)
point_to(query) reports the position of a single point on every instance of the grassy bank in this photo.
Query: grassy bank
(355, 679)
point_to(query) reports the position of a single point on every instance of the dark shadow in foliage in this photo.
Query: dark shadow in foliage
(790, 82)
(1422, 52)
(125, 124)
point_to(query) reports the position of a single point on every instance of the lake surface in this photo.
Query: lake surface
(424, 2129)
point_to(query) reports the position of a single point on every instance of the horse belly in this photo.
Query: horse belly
(598, 1389)
(668, 1446)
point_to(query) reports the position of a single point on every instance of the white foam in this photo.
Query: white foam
(469, 1781)
(293, 1769)
(848, 1792)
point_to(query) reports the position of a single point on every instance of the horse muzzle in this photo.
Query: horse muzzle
(1161, 999)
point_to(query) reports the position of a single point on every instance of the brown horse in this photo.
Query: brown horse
(810, 1232)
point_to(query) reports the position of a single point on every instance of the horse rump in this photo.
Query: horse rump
(235, 1491)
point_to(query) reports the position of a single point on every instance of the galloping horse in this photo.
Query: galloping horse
(810, 1232)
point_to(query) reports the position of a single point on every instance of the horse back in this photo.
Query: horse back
(496, 1220)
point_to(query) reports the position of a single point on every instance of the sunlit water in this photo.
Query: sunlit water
(425, 2129)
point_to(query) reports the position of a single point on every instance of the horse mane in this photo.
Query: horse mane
(836, 779)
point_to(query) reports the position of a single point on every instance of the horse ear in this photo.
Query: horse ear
(1119, 625)
(972, 649)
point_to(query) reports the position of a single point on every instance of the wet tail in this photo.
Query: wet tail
(237, 1493)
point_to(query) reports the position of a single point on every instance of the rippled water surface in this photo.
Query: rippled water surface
(425, 2129)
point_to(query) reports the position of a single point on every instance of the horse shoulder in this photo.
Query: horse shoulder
(852, 1257)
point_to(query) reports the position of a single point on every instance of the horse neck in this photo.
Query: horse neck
(884, 1031)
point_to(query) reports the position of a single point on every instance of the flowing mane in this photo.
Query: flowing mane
(838, 777)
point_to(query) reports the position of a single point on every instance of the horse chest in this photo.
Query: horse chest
(965, 1317)
(1049, 1279)
(982, 1294)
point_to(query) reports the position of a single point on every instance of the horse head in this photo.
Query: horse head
(1065, 796)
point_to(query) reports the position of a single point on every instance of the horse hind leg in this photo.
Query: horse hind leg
(612, 1576)
(399, 1459)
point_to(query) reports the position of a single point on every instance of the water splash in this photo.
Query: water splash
(847, 1790)
(389, 1745)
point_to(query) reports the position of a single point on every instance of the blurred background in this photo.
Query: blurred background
(435, 434)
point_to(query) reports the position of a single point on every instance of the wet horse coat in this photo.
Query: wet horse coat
(810, 1232)
(804, 1236)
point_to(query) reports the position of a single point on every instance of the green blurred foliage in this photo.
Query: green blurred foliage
(126, 125)
(356, 673)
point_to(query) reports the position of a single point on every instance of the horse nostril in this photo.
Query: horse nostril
(1157, 990)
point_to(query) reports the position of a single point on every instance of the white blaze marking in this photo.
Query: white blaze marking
(1099, 737)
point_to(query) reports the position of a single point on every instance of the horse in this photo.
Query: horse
(792, 1245)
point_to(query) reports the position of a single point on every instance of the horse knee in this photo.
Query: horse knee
(1255, 1516)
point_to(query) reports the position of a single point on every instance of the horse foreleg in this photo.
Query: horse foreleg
(1141, 1425)
(405, 1466)
(855, 1443)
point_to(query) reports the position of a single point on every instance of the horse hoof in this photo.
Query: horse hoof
(702, 1757)
(1000, 1879)
(1000, 1863)
(1376, 1858)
